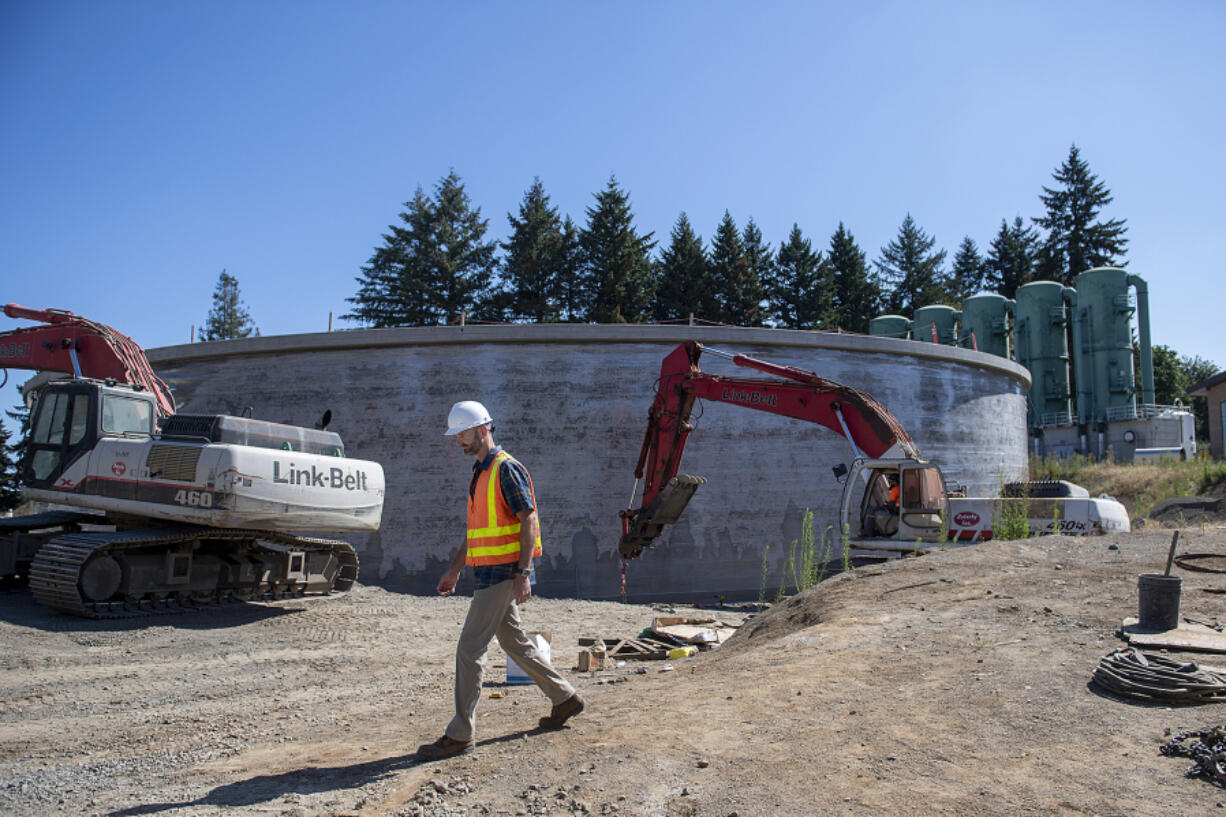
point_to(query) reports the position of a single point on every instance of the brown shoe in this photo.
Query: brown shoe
(563, 712)
(444, 747)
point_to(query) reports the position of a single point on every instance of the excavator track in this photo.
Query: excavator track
(118, 574)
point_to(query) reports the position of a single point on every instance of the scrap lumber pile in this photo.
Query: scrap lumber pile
(666, 637)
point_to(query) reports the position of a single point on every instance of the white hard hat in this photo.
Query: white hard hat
(467, 414)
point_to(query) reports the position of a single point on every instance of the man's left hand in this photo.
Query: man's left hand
(523, 589)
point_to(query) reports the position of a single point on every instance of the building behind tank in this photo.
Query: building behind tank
(1072, 335)
(571, 402)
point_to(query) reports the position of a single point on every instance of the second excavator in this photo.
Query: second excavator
(891, 498)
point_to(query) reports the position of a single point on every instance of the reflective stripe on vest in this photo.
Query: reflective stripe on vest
(493, 529)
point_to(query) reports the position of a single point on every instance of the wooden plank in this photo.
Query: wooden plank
(1194, 637)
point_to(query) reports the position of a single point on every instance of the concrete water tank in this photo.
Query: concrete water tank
(571, 402)
(936, 324)
(890, 326)
(1040, 344)
(985, 323)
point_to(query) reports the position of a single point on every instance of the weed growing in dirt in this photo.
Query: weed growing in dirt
(1012, 521)
(766, 569)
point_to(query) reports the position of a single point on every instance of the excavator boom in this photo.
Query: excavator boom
(78, 346)
(804, 395)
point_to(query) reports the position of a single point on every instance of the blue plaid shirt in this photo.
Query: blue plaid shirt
(517, 491)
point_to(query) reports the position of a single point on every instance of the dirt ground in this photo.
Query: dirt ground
(955, 683)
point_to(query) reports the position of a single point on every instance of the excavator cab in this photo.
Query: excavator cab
(901, 499)
(70, 416)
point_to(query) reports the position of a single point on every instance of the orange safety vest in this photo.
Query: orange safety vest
(493, 530)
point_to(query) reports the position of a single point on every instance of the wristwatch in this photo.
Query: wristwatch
(522, 571)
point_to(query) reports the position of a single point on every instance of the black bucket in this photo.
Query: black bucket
(1159, 601)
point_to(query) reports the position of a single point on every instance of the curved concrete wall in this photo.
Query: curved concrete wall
(570, 401)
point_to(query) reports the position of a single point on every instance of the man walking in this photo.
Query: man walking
(503, 538)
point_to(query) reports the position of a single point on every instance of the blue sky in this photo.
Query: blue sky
(148, 145)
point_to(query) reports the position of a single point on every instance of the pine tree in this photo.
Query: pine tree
(734, 273)
(1076, 241)
(11, 455)
(910, 271)
(432, 267)
(536, 254)
(1010, 262)
(459, 260)
(618, 268)
(856, 295)
(761, 269)
(573, 295)
(229, 318)
(10, 484)
(684, 285)
(800, 288)
(967, 275)
(378, 303)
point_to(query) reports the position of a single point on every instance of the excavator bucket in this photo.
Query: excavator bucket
(647, 523)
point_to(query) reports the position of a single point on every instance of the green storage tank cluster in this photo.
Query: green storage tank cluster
(1097, 314)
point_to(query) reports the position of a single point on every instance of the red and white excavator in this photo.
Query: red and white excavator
(873, 516)
(154, 510)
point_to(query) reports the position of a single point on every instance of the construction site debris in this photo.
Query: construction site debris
(1187, 636)
(1208, 751)
(1154, 677)
(707, 631)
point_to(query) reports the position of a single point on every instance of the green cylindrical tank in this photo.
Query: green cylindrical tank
(936, 324)
(890, 326)
(985, 323)
(1102, 332)
(1040, 342)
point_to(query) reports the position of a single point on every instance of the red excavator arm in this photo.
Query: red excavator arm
(868, 426)
(81, 347)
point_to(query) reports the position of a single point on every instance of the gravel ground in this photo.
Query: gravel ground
(953, 683)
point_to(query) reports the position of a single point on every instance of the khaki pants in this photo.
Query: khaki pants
(494, 613)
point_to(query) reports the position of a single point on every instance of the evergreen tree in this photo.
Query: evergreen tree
(684, 286)
(11, 455)
(856, 295)
(910, 271)
(800, 287)
(536, 254)
(460, 261)
(229, 317)
(395, 287)
(573, 295)
(967, 275)
(432, 267)
(738, 292)
(761, 262)
(617, 260)
(1076, 240)
(10, 484)
(1010, 262)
